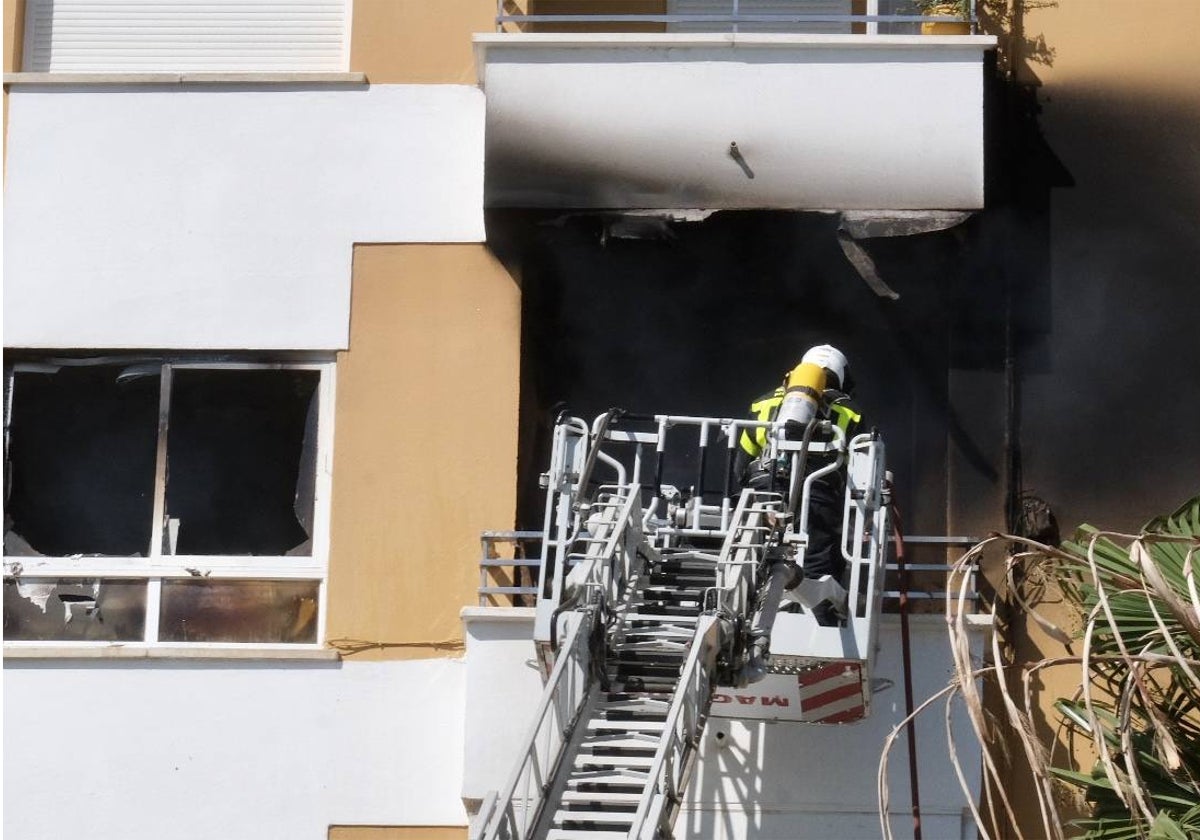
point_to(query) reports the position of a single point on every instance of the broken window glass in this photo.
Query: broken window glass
(241, 462)
(81, 458)
(239, 611)
(76, 610)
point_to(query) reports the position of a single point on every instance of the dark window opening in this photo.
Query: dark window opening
(78, 610)
(82, 449)
(241, 462)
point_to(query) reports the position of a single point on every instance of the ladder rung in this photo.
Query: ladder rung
(627, 725)
(640, 704)
(598, 761)
(600, 796)
(651, 646)
(617, 776)
(629, 741)
(602, 817)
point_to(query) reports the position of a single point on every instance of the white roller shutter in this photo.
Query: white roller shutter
(130, 36)
(761, 7)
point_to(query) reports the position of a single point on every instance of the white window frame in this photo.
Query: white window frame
(158, 566)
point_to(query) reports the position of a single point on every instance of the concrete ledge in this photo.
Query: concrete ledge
(19, 651)
(514, 614)
(123, 79)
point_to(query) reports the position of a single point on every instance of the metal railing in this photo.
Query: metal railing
(533, 564)
(737, 568)
(941, 571)
(895, 16)
(513, 814)
(515, 577)
(691, 453)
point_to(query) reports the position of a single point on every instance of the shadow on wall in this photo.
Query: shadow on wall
(1006, 18)
(1120, 268)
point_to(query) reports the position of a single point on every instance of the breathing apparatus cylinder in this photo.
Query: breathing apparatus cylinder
(804, 387)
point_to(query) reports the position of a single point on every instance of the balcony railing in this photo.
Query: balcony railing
(512, 581)
(877, 17)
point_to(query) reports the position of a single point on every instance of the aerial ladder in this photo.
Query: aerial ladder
(651, 597)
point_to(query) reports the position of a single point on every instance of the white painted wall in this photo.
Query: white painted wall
(222, 217)
(196, 750)
(821, 121)
(502, 691)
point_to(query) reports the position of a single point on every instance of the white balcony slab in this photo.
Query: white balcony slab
(852, 122)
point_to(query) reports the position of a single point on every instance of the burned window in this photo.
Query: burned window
(239, 611)
(238, 479)
(79, 610)
(131, 481)
(81, 461)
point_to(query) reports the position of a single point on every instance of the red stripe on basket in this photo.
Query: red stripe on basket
(833, 669)
(831, 696)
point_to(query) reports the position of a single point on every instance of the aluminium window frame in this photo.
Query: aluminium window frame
(158, 565)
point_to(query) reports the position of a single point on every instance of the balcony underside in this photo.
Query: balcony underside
(807, 122)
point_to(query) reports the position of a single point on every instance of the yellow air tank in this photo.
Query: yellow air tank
(803, 391)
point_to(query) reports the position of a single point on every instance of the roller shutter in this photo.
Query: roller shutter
(130, 36)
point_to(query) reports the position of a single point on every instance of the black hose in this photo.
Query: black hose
(586, 475)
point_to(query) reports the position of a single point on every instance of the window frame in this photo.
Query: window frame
(158, 565)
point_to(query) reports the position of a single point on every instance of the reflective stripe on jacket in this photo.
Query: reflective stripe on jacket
(764, 409)
(754, 441)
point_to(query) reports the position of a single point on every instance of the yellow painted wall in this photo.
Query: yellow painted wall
(425, 444)
(354, 832)
(14, 34)
(14, 42)
(418, 41)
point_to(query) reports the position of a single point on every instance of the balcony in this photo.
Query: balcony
(719, 104)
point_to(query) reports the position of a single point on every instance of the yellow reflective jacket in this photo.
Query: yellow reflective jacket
(764, 409)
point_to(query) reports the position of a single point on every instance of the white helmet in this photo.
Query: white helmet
(830, 358)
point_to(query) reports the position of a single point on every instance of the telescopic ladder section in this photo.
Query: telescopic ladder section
(641, 613)
(628, 759)
(614, 743)
(637, 745)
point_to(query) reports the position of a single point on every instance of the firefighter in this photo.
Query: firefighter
(817, 388)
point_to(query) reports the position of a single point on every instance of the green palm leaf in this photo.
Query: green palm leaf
(1135, 592)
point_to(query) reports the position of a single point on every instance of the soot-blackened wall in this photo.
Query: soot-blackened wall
(701, 317)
